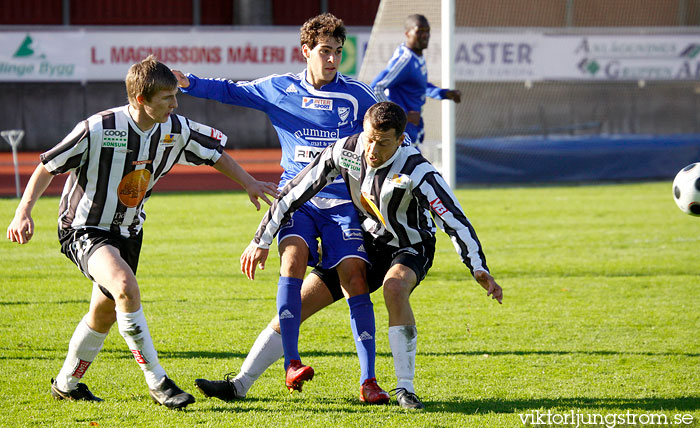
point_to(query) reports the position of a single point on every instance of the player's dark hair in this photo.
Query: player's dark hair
(325, 25)
(386, 115)
(415, 20)
(147, 78)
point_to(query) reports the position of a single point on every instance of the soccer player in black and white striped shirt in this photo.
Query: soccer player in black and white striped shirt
(399, 197)
(115, 158)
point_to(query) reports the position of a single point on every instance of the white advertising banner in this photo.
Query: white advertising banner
(107, 55)
(624, 57)
(499, 56)
(532, 56)
(479, 56)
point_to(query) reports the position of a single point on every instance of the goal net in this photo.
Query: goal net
(387, 33)
(555, 75)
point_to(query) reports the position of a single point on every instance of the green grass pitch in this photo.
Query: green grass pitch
(600, 316)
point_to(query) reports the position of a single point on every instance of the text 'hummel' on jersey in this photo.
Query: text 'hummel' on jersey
(312, 134)
(317, 103)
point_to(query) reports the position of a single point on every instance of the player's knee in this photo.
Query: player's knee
(293, 267)
(126, 292)
(356, 285)
(396, 290)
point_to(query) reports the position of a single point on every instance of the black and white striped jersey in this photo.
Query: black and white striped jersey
(398, 203)
(114, 165)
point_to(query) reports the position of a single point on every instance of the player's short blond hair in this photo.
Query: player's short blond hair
(324, 25)
(147, 78)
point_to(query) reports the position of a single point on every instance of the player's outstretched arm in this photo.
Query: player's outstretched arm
(251, 258)
(256, 189)
(489, 284)
(21, 229)
(182, 80)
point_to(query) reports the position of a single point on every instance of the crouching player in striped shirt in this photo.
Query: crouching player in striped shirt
(399, 197)
(115, 158)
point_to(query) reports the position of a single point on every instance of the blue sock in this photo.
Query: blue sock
(289, 311)
(362, 322)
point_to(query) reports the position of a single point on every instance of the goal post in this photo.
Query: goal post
(448, 81)
(14, 138)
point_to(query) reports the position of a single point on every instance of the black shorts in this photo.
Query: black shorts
(418, 257)
(79, 244)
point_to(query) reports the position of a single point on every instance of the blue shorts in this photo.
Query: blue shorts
(338, 227)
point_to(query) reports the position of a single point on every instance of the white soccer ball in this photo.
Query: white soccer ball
(686, 189)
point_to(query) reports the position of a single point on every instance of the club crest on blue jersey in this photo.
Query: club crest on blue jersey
(317, 103)
(343, 113)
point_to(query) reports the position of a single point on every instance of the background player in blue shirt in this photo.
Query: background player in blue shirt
(309, 110)
(404, 81)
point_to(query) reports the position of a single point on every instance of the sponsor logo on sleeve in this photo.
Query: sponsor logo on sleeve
(317, 103)
(350, 161)
(437, 206)
(206, 130)
(115, 138)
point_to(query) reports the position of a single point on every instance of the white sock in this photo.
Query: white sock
(265, 351)
(134, 329)
(82, 351)
(403, 340)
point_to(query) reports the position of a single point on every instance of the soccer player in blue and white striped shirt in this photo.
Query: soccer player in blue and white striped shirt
(114, 158)
(404, 81)
(400, 198)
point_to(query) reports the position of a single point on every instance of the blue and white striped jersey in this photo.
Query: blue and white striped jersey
(404, 81)
(399, 203)
(114, 165)
(307, 120)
